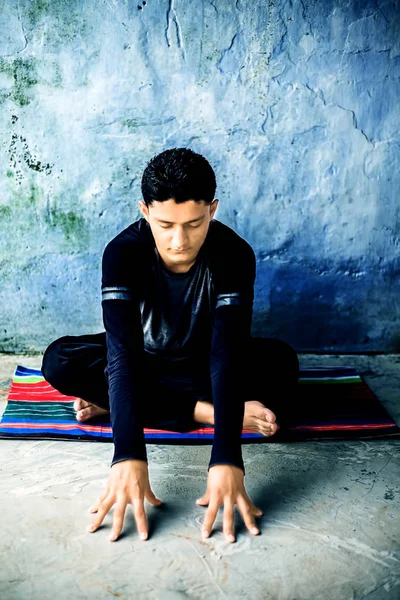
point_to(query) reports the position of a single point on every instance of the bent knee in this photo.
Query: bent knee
(290, 358)
(280, 354)
(287, 349)
(54, 370)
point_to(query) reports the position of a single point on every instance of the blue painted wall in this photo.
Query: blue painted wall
(296, 106)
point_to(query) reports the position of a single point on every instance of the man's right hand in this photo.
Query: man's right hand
(128, 484)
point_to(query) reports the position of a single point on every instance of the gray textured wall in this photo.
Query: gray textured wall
(296, 106)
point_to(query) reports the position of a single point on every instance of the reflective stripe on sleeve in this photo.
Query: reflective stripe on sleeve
(116, 293)
(229, 299)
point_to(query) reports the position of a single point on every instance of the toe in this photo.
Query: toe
(83, 414)
(267, 429)
(80, 403)
(268, 415)
(273, 428)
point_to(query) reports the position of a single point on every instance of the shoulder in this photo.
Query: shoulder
(227, 248)
(128, 244)
(128, 257)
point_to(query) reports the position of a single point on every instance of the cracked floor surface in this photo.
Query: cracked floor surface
(330, 530)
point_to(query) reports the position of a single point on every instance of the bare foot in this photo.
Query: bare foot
(256, 416)
(259, 418)
(85, 410)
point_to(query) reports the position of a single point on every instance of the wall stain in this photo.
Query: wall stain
(132, 123)
(71, 224)
(389, 495)
(26, 201)
(19, 151)
(23, 72)
(5, 211)
(62, 29)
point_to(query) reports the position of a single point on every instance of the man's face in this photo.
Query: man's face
(179, 230)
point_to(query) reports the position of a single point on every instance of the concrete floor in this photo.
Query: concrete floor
(330, 530)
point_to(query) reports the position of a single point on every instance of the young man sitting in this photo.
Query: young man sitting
(177, 350)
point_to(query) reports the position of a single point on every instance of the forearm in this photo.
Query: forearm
(231, 332)
(121, 288)
(228, 408)
(125, 377)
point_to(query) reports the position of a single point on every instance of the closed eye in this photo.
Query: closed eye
(168, 226)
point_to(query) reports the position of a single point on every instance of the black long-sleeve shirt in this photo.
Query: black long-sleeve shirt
(210, 326)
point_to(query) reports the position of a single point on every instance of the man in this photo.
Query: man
(177, 301)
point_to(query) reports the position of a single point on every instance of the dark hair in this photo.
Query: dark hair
(178, 173)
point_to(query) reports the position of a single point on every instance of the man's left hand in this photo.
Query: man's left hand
(225, 486)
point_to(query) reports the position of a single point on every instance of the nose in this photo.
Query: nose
(179, 240)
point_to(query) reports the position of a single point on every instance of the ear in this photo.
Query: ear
(213, 208)
(143, 209)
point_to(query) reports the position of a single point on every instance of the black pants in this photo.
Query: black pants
(75, 365)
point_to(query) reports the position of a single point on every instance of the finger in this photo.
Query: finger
(118, 521)
(95, 506)
(248, 518)
(210, 517)
(140, 517)
(204, 500)
(255, 510)
(228, 520)
(102, 511)
(152, 498)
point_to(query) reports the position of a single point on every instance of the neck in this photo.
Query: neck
(179, 268)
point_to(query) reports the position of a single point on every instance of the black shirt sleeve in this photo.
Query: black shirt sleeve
(234, 279)
(125, 352)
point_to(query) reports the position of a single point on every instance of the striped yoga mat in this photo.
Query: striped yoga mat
(331, 403)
